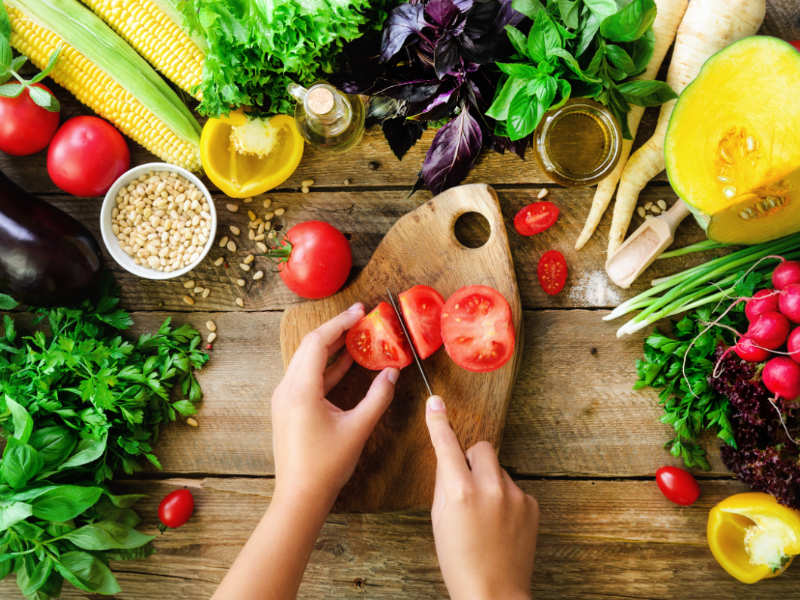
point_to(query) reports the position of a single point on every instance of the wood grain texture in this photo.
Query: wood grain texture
(573, 411)
(397, 467)
(598, 540)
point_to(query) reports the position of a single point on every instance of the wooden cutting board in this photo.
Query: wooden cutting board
(397, 467)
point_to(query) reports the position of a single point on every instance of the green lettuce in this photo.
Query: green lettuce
(254, 48)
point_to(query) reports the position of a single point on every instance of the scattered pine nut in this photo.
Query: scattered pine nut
(262, 247)
(211, 337)
(231, 246)
(211, 326)
(247, 200)
(268, 216)
(232, 207)
(347, 181)
(191, 422)
(268, 225)
(648, 206)
(188, 284)
(248, 259)
(307, 182)
(188, 300)
(542, 193)
(251, 215)
(261, 227)
(244, 267)
(259, 238)
(267, 202)
(640, 211)
(662, 204)
(251, 235)
(234, 229)
(279, 211)
(239, 302)
(258, 275)
(305, 189)
(219, 261)
(206, 292)
(223, 242)
(197, 290)
(655, 210)
(241, 282)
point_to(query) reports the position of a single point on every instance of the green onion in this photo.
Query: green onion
(712, 281)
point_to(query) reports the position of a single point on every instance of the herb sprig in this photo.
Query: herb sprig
(80, 404)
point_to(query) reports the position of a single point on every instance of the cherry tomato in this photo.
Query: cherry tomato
(477, 328)
(377, 340)
(315, 259)
(86, 156)
(678, 485)
(535, 218)
(422, 311)
(25, 127)
(176, 508)
(552, 272)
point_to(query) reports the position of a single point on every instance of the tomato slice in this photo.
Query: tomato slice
(477, 328)
(422, 311)
(377, 340)
(535, 218)
(552, 272)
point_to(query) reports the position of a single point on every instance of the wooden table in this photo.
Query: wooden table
(577, 436)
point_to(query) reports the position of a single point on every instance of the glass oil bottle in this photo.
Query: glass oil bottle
(328, 118)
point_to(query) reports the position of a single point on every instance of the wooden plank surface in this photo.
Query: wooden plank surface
(598, 540)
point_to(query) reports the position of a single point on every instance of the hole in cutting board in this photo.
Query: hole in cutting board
(472, 230)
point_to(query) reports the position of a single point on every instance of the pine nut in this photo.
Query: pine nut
(224, 241)
(267, 202)
(231, 246)
(206, 292)
(251, 215)
(232, 207)
(219, 261)
(307, 182)
(239, 302)
(279, 211)
(258, 275)
(248, 259)
(188, 284)
(188, 300)
(234, 229)
(211, 337)
(191, 422)
(244, 267)
(240, 282)
(262, 247)
(211, 326)
(247, 200)
(542, 193)
(662, 204)
(259, 238)
(640, 211)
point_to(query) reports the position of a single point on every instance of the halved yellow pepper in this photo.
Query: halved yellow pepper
(752, 536)
(239, 174)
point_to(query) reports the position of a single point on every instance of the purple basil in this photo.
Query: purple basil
(453, 151)
(406, 20)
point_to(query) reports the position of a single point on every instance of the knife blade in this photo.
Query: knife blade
(410, 343)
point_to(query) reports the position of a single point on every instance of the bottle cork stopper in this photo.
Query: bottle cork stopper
(320, 100)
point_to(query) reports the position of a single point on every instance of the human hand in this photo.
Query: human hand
(316, 444)
(483, 524)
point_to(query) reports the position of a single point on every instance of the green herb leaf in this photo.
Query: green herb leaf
(517, 39)
(641, 51)
(107, 535)
(543, 37)
(7, 302)
(621, 60)
(12, 513)
(65, 502)
(524, 115)
(11, 90)
(529, 8)
(601, 8)
(88, 573)
(629, 23)
(20, 463)
(44, 99)
(502, 101)
(647, 93)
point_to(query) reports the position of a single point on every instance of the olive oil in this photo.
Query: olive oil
(579, 143)
(328, 118)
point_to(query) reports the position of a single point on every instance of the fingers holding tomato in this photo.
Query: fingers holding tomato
(377, 341)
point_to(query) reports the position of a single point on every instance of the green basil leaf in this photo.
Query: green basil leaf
(124, 500)
(54, 443)
(11, 90)
(629, 23)
(5, 24)
(529, 8)
(565, 91)
(543, 37)
(545, 90)
(6, 566)
(641, 51)
(87, 572)
(5, 55)
(31, 582)
(601, 8)
(18, 62)
(646, 93)
(51, 63)
(21, 418)
(7, 302)
(517, 39)
(30, 493)
(570, 12)
(88, 450)
(587, 34)
(107, 535)
(44, 99)
(106, 511)
(20, 463)
(65, 502)
(524, 115)
(499, 108)
(574, 66)
(185, 408)
(621, 60)
(132, 554)
(12, 513)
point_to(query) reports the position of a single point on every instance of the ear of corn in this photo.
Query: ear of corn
(152, 28)
(106, 75)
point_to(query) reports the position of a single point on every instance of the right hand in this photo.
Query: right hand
(484, 525)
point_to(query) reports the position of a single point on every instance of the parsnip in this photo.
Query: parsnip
(668, 17)
(707, 27)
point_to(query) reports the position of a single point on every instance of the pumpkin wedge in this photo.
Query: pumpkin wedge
(733, 145)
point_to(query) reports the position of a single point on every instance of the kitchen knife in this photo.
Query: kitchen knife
(410, 343)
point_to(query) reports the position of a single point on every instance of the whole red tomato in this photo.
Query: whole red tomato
(176, 508)
(678, 485)
(25, 127)
(315, 259)
(86, 156)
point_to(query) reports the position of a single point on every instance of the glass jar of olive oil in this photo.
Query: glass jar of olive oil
(579, 143)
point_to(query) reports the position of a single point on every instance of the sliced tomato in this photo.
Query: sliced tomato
(552, 272)
(477, 328)
(377, 340)
(535, 218)
(422, 311)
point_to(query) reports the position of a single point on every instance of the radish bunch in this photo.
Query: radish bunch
(773, 315)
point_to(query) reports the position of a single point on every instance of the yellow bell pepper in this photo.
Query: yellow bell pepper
(245, 156)
(752, 536)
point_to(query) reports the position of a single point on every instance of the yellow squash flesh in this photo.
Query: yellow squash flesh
(732, 149)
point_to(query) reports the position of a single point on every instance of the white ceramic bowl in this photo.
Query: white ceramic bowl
(112, 243)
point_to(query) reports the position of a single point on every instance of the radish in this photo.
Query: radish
(762, 301)
(793, 345)
(781, 375)
(748, 350)
(786, 273)
(769, 330)
(789, 302)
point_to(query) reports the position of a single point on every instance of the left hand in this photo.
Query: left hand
(316, 444)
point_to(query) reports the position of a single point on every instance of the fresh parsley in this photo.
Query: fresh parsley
(80, 404)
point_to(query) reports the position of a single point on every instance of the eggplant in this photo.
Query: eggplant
(47, 258)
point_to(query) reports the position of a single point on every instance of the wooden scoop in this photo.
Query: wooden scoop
(645, 245)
